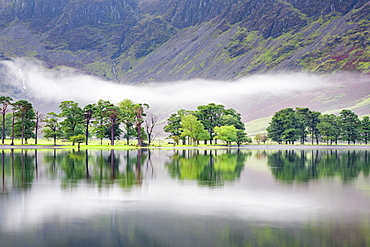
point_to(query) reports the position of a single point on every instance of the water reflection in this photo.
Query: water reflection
(208, 167)
(103, 168)
(184, 198)
(303, 166)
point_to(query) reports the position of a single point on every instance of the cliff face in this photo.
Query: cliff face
(146, 40)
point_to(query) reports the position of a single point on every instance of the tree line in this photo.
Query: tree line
(208, 123)
(105, 120)
(290, 125)
(75, 123)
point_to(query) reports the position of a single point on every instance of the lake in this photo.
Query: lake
(195, 197)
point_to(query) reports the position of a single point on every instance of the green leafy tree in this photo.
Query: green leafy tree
(101, 119)
(241, 137)
(193, 128)
(52, 129)
(313, 121)
(282, 127)
(232, 118)
(303, 119)
(5, 102)
(210, 116)
(72, 124)
(173, 126)
(88, 115)
(227, 134)
(329, 128)
(113, 114)
(8, 124)
(127, 108)
(365, 123)
(350, 126)
(78, 139)
(132, 116)
(24, 125)
(139, 110)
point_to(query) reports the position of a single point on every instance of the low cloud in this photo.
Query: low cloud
(57, 86)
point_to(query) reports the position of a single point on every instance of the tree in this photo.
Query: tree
(303, 117)
(150, 124)
(260, 138)
(193, 128)
(5, 102)
(231, 117)
(7, 125)
(241, 137)
(52, 128)
(88, 114)
(127, 108)
(38, 120)
(173, 126)
(79, 139)
(139, 113)
(329, 128)
(350, 126)
(226, 133)
(113, 114)
(210, 116)
(72, 124)
(365, 129)
(25, 114)
(283, 126)
(313, 121)
(101, 119)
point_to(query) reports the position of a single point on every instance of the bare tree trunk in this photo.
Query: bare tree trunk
(3, 130)
(13, 129)
(87, 133)
(112, 135)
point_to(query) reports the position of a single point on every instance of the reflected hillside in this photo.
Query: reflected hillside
(303, 166)
(209, 167)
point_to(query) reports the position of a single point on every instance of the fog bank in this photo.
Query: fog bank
(59, 85)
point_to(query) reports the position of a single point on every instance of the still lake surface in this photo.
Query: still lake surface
(196, 197)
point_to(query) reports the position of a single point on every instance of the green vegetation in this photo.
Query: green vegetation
(201, 125)
(73, 123)
(207, 124)
(290, 125)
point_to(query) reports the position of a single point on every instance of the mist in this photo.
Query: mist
(58, 85)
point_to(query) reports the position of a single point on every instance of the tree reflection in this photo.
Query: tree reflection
(303, 166)
(19, 166)
(211, 168)
(99, 167)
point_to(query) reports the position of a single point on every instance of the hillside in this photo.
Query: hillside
(134, 41)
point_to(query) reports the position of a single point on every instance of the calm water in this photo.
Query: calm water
(185, 198)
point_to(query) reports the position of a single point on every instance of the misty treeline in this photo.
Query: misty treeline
(290, 125)
(75, 123)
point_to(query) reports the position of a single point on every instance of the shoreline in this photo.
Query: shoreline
(249, 147)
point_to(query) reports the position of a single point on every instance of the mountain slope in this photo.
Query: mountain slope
(167, 40)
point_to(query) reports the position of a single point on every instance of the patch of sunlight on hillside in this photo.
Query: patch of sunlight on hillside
(257, 126)
(364, 102)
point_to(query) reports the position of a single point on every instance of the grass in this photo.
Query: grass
(93, 144)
